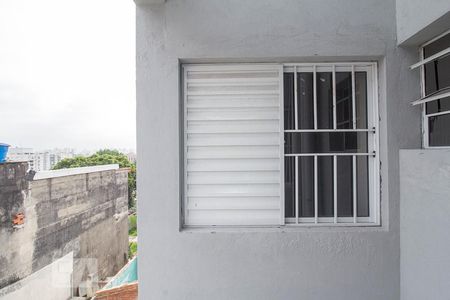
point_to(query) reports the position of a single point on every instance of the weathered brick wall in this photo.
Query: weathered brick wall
(85, 213)
(14, 190)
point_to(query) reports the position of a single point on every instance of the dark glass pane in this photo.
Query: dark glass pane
(437, 75)
(439, 130)
(361, 99)
(325, 142)
(306, 186)
(289, 187)
(305, 104)
(325, 186)
(438, 105)
(437, 46)
(324, 100)
(344, 107)
(362, 185)
(289, 121)
(345, 186)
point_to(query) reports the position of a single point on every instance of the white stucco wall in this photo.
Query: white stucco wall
(425, 224)
(53, 282)
(419, 20)
(319, 263)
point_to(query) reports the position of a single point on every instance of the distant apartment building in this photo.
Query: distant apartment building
(39, 160)
(131, 157)
(22, 154)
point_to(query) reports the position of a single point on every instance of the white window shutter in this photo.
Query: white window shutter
(233, 145)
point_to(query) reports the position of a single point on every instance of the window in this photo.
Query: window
(330, 144)
(280, 144)
(435, 73)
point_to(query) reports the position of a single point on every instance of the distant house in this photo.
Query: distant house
(293, 149)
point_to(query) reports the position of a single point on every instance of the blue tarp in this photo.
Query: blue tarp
(127, 275)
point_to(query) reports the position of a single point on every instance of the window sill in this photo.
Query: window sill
(285, 228)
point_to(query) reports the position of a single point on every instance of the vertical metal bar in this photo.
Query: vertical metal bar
(334, 157)
(296, 189)
(353, 97)
(315, 96)
(355, 203)
(316, 185)
(335, 187)
(425, 137)
(296, 158)
(355, 195)
(295, 98)
(334, 97)
(282, 158)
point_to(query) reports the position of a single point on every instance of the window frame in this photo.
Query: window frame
(374, 187)
(425, 116)
(373, 143)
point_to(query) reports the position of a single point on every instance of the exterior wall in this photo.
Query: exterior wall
(84, 213)
(15, 243)
(425, 246)
(53, 282)
(419, 21)
(274, 263)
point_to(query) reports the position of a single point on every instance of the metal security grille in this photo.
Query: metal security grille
(331, 162)
(233, 144)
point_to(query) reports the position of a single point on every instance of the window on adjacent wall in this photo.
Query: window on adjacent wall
(435, 71)
(272, 144)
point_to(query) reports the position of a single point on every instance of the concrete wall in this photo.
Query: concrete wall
(15, 242)
(419, 20)
(84, 213)
(425, 223)
(320, 263)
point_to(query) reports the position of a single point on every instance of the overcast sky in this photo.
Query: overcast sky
(67, 73)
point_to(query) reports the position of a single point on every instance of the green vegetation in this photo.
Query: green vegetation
(132, 250)
(132, 233)
(132, 225)
(105, 157)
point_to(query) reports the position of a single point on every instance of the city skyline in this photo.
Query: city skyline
(76, 150)
(46, 159)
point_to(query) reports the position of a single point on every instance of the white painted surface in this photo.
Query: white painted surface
(73, 171)
(419, 20)
(260, 263)
(53, 282)
(425, 224)
(233, 140)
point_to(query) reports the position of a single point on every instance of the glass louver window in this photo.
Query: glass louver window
(436, 75)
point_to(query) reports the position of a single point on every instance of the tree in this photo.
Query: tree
(105, 157)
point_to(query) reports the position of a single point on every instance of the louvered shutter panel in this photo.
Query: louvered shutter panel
(233, 139)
